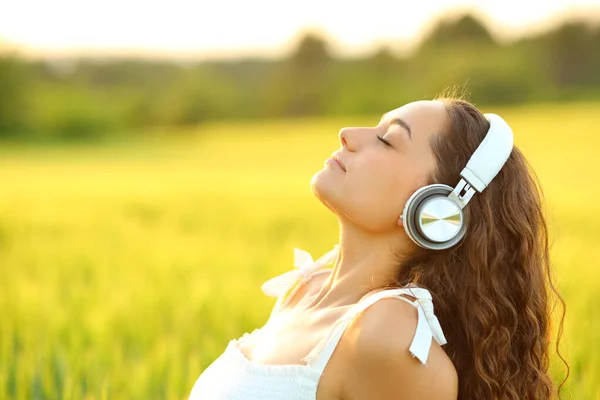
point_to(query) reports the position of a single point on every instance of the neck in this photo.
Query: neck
(365, 262)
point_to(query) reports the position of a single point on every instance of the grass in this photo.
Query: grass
(125, 268)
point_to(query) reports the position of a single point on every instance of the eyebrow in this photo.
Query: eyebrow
(401, 122)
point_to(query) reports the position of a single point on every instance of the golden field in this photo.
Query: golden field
(125, 268)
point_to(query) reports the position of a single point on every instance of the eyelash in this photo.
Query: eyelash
(384, 141)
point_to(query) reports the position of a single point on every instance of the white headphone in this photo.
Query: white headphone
(433, 217)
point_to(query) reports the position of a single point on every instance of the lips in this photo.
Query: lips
(341, 164)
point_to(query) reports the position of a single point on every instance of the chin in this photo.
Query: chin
(325, 189)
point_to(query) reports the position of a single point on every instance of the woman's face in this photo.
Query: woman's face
(379, 178)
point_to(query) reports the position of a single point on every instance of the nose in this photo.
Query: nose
(348, 138)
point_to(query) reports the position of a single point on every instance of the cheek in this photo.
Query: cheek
(383, 185)
(375, 185)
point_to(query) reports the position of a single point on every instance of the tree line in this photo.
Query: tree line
(93, 98)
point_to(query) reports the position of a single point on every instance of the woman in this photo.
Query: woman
(365, 328)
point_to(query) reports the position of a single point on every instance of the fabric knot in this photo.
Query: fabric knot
(428, 326)
(305, 267)
(436, 329)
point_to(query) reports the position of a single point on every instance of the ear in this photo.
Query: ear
(400, 221)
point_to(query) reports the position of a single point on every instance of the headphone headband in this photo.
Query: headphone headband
(486, 161)
(490, 156)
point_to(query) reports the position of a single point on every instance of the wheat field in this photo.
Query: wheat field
(126, 267)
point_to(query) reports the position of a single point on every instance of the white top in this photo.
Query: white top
(232, 376)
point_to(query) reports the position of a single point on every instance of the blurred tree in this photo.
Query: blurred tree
(193, 95)
(463, 52)
(595, 53)
(467, 30)
(383, 61)
(380, 83)
(572, 55)
(246, 81)
(301, 85)
(15, 107)
(312, 52)
(201, 93)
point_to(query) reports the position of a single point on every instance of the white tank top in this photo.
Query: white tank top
(232, 376)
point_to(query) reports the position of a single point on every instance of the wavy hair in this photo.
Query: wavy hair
(493, 291)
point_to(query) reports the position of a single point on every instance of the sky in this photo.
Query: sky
(203, 29)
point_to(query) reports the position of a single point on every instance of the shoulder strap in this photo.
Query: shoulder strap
(428, 326)
(289, 293)
(284, 286)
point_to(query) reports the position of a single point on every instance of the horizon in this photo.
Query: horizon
(349, 31)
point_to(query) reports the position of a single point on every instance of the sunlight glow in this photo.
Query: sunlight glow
(263, 27)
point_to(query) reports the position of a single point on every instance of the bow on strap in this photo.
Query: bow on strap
(305, 267)
(428, 325)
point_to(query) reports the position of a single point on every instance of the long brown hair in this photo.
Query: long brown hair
(493, 292)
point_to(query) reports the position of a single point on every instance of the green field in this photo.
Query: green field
(125, 268)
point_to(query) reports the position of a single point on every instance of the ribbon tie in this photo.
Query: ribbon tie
(428, 325)
(305, 267)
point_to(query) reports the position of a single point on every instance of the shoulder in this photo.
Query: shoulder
(381, 338)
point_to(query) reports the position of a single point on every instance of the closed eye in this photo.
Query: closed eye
(384, 141)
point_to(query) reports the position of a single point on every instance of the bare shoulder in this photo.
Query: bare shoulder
(384, 368)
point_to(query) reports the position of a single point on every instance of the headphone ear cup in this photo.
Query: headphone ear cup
(432, 220)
